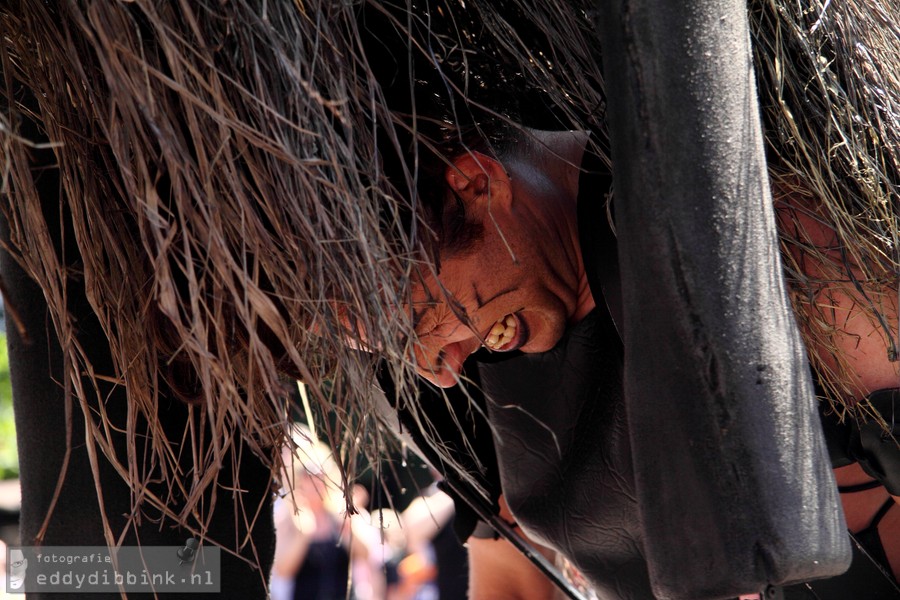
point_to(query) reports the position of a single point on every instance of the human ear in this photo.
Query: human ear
(479, 179)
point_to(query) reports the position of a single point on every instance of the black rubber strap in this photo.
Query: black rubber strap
(885, 508)
(859, 487)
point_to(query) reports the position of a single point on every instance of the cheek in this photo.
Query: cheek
(548, 322)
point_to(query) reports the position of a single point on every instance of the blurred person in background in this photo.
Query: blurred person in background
(315, 544)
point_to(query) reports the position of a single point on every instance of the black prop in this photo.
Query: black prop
(733, 483)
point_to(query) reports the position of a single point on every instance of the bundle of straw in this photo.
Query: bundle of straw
(218, 162)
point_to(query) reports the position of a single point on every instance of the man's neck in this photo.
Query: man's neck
(551, 169)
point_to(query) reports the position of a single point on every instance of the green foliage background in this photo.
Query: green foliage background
(9, 456)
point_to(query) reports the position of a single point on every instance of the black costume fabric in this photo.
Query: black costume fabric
(323, 574)
(560, 425)
(564, 454)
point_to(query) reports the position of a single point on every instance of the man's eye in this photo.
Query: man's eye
(424, 315)
(426, 326)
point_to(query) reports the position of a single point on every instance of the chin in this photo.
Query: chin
(545, 334)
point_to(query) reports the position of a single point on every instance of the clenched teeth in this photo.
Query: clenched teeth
(501, 333)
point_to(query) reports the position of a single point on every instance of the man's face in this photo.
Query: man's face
(492, 302)
(515, 288)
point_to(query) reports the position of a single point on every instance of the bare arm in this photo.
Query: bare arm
(292, 539)
(498, 571)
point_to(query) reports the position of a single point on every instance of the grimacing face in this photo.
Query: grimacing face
(517, 288)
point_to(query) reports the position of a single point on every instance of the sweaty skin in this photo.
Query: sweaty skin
(523, 283)
(498, 571)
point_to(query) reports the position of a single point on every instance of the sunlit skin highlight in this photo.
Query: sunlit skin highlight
(524, 280)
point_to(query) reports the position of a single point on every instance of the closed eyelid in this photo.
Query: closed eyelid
(439, 321)
(419, 315)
